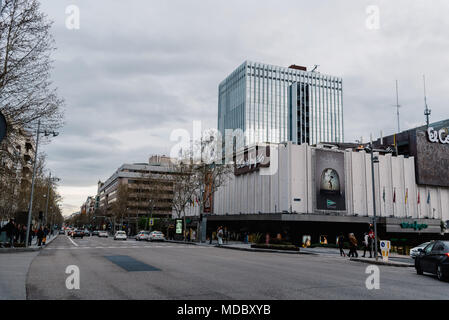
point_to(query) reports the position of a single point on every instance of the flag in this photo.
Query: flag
(383, 195)
(406, 195)
(394, 196)
(419, 200)
(428, 197)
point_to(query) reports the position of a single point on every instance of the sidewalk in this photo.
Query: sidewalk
(237, 245)
(33, 247)
(381, 262)
(13, 273)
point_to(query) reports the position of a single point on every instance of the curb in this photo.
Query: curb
(181, 242)
(13, 250)
(384, 263)
(264, 250)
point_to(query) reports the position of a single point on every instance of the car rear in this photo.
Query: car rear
(156, 236)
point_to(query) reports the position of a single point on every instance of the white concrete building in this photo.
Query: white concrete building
(292, 187)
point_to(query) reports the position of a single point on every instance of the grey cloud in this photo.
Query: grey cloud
(155, 66)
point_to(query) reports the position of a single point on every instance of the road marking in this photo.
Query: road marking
(72, 241)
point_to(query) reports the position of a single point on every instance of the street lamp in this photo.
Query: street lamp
(30, 209)
(374, 159)
(50, 180)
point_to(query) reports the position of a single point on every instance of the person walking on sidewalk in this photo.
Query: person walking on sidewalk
(352, 246)
(40, 236)
(31, 235)
(10, 229)
(367, 245)
(220, 236)
(340, 243)
(46, 232)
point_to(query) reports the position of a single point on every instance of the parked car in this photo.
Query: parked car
(77, 233)
(142, 235)
(415, 251)
(61, 231)
(103, 234)
(434, 258)
(95, 233)
(120, 235)
(87, 233)
(156, 236)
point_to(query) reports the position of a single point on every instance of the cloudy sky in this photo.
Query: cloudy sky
(136, 70)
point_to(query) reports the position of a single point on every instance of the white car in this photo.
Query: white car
(103, 234)
(415, 251)
(142, 235)
(120, 235)
(156, 236)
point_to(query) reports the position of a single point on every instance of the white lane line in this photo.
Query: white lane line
(72, 241)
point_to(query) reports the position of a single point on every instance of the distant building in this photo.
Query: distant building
(148, 190)
(278, 104)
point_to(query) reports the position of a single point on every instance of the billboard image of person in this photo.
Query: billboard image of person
(330, 180)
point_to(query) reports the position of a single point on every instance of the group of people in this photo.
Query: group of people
(16, 233)
(368, 244)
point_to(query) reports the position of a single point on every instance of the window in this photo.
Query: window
(438, 247)
(429, 248)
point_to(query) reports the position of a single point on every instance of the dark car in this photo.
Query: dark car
(78, 233)
(434, 258)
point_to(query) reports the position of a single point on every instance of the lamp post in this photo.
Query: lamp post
(50, 180)
(30, 209)
(375, 159)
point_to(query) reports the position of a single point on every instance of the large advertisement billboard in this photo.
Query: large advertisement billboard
(330, 180)
(432, 156)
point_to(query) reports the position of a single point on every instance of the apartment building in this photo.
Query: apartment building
(138, 190)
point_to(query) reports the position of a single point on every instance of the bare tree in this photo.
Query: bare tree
(120, 205)
(26, 92)
(211, 172)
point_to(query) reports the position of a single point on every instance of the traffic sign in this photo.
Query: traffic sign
(151, 222)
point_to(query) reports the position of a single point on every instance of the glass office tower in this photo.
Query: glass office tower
(277, 104)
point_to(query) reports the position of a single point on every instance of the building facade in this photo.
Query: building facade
(277, 104)
(319, 192)
(137, 190)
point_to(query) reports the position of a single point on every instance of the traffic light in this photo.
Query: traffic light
(41, 215)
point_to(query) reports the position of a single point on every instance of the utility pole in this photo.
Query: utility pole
(427, 111)
(374, 197)
(30, 208)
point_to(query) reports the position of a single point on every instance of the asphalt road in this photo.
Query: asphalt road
(200, 272)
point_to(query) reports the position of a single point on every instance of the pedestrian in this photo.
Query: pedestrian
(30, 235)
(340, 243)
(10, 229)
(226, 235)
(193, 235)
(44, 239)
(367, 244)
(40, 236)
(352, 246)
(220, 236)
(17, 233)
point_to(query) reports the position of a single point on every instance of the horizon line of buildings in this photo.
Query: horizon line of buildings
(321, 184)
